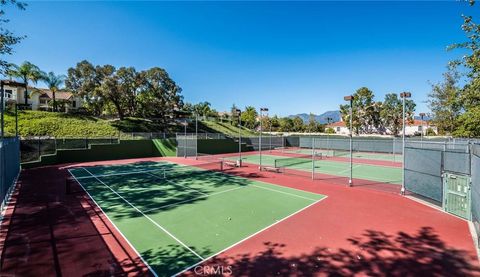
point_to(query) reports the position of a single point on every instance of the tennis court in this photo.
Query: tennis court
(383, 174)
(346, 153)
(177, 216)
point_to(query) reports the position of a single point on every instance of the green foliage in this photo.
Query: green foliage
(35, 123)
(298, 125)
(313, 126)
(224, 128)
(249, 117)
(27, 72)
(54, 83)
(445, 103)
(149, 94)
(286, 124)
(469, 123)
(368, 115)
(392, 112)
(7, 38)
(430, 132)
(365, 111)
(330, 131)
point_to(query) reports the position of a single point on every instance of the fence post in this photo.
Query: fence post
(313, 158)
(39, 148)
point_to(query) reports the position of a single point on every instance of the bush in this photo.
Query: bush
(430, 132)
(330, 131)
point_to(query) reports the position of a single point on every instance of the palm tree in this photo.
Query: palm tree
(53, 82)
(26, 72)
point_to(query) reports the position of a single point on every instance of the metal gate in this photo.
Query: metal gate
(457, 197)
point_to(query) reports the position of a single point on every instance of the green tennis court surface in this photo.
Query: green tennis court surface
(384, 174)
(346, 153)
(176, 216)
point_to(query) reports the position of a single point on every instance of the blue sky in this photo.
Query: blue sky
(290, 57)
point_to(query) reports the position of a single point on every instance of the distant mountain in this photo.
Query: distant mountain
(322, 118)
(426, 118)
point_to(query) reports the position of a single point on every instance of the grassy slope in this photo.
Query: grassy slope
(35, 123)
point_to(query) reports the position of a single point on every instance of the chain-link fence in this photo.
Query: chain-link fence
(9, 167)
(186, 145)
(475, 171)
(267, 142)
(359, 145)
(427, 162)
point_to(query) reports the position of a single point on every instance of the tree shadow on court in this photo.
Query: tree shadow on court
(166, 186)
(171, 259)
(375, 254)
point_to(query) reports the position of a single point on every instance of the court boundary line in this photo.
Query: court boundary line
(250, 236)
(224, 174)
(146, 216)
(116, 227)
(367, 178)
(324, 160)
(279, 191)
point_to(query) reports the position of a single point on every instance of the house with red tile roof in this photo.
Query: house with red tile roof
(40, 98)
(416, 127)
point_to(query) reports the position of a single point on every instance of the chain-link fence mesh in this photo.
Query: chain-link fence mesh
(475, 166)
(186, 145)
(9, 167)
(426, 162)
(267, 142)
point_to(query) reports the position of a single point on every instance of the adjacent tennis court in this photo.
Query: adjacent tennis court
(346, 153)
(377, 173)
(176, 216)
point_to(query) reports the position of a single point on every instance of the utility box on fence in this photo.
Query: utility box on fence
(457, 194)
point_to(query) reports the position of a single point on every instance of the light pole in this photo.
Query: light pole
(260, 141)
(422, 115)
(328, 135)
(403, 95)
(349, 98)
(239, 113)
(185, 138)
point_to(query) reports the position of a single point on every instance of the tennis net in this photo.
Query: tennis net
(166, 172)
(292, 161)
(341, 153)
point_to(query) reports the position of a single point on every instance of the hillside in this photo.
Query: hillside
(36, 123)
(322, 118)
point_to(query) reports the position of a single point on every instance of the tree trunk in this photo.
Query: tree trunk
(54, 101)
(119, 110)
(26, 91)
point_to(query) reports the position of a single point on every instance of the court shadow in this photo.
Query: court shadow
(374, 254)
(165, 186)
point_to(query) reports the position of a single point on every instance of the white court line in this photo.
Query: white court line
(116, 174)
(279, 191)
(111, 221)
(348, 169)
(252, 235)
(146, 216)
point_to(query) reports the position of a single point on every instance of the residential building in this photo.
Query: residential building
(416, 127)
(339, 127)
(39, 98)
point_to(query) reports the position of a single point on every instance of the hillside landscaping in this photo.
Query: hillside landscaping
(38, 123)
